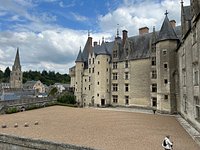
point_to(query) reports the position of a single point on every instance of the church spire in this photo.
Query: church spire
(17, 60)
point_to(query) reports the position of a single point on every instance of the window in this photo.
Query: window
(126, 75)
(114, 76)
(154, 101)
(114, 65)
(85, 80)
(97, 83)
(164, 51)
(89, 79)
(98, 73)
(127, 52)
(97, 94)
(166, 97)
(196, 75)
(184, 77)
(165, 66)
(185, 104)
(153, 74)
(115, 98)
(126, 64)
(85, 88)
(153, 61)
(115, 54)
(92, 70)
(126, 100)
(89, 87)
(154, 87)
(93, 60)
(89, 61)
(197, 103)
(107, 69)
(165, 81)
(89, 70)
(98, 62)
(126, 87)
(115, 87)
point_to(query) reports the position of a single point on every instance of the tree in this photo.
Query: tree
(7, 73)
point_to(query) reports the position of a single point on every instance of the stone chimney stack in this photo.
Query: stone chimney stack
(124, 35)
(143, 30)
(95, 43)
(173, 23)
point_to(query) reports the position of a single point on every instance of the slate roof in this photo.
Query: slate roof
(79, 57)
(17, 60)
(187, 13)
(140, 45)
(167, 32)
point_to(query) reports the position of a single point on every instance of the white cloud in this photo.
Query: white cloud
(79, 17)
(49, 49)
(134, 14)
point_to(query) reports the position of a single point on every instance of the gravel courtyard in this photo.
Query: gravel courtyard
(100, 129)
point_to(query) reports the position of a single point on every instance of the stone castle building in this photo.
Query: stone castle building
(16, 73)
(158, 70)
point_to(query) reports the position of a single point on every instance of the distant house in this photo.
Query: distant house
(5, 85)
(38, 86)
(62, 87)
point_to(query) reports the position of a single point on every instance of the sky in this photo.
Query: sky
(50, 33)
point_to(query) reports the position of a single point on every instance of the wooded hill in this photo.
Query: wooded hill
(46, 77)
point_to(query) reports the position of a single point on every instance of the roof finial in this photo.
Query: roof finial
(166, 13)
(182, 2)
(117, 30)
(88, 33)
(154, 29)
(80, 48)
(102, 39)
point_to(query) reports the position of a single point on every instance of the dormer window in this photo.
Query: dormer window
(115, 54)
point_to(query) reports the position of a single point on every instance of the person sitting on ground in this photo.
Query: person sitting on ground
(167, 144)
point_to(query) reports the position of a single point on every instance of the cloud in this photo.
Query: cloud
(50, 49)
(133, 14)
(78, 17)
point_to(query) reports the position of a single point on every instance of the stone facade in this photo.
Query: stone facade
(159, 70)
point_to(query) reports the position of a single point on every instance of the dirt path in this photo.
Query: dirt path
(101, 129)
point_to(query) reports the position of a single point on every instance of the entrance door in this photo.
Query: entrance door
(102, 102)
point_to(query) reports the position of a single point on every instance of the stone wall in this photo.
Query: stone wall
(8, 142)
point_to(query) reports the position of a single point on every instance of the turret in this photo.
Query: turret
(166, 66)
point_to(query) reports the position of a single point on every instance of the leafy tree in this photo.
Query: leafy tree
(53, 91)
(67, 99)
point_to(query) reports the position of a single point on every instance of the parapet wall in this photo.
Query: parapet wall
(8, 142)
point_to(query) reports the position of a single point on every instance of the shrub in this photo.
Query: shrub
(11, 110)
(67, 98)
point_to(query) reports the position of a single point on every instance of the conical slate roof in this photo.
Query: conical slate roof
(167, 32)
(79, 57)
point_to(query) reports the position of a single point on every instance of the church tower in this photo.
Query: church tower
(16, 73)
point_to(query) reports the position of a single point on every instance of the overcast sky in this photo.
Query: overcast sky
(49, 33)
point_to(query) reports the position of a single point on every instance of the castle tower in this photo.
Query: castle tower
(166, 67)
(16, 73)
(79, 78)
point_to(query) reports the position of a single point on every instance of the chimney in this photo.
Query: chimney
(173, 23)
(124, 34)
(95, 43)
(143, 30)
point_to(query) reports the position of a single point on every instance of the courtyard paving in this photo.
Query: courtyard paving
(99, 128)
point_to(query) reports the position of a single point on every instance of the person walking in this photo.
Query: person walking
(167, 144)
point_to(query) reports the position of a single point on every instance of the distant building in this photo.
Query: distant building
(62, 87)
(38, 86)
(16, 73)
(4, 85)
